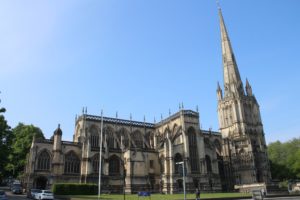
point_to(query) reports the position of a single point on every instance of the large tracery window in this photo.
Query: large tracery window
(193, 150)
(162, 164)
(124, 138)
(111, 141)
(94, 137)
(110, 138)
(44, 161)
(208, 164)
(218, 146)
(72, 163)
(138, 139)
(177, 159)
(114, 165)
(95, 163)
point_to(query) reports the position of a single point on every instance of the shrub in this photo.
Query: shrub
(74, 189)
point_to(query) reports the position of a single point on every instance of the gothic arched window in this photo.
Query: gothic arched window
(94, 137)
(110, 138)
(218, 146)
(124, 138)
(95, 163)
(114, 165)
(72, 163)
(193, 150)
(138, 139)
(177, 159)
(148, 141)
(44, 161)
(208, 164)
(162, 164)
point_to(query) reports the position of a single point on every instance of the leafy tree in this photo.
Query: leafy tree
(5, 143)
(285, 159)
(23, 136)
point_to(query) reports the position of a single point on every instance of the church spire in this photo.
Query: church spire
(232, 80)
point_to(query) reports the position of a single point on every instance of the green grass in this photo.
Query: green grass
(158, 196)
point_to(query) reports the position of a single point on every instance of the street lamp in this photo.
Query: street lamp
(183, 175)
(124, 177)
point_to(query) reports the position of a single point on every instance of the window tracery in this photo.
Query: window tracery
(208, 164)
(193, 150)
(72, 163)
(44, 161)
(114, 166)
(138, 139)
(94, 138)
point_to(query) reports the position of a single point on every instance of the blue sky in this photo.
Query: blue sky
(144, 57)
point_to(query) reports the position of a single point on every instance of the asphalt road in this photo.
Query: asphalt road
(15, 196)
(23, 196)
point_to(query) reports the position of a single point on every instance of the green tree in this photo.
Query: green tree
(5, 143)
(23, 136)
(285, 159)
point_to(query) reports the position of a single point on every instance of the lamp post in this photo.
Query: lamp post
(123, 162)
(124, 182)
(183, 175)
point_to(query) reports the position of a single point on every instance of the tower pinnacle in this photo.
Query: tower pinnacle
(232, 79)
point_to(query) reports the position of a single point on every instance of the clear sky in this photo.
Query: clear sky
(144, 57)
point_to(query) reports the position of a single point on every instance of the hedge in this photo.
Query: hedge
(74, 189)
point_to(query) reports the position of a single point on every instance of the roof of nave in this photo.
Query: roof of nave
(50, 141)
(208, 132)
(117, 121)
(111, 120)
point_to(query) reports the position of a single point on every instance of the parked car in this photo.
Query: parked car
(31, 193)
(16, 189)
(257, 195)
(3, 195)
(14, 184)
(44, 194)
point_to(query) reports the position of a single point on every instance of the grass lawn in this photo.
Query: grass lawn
(158, 196)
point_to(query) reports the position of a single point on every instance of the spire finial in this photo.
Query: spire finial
(179, 106)
(182, 107)
(117, 114)
(144, 118)
(161, 117)
(218, 4)
(247, 82)
(85, 110)
(154, 120)
(169, 112)
(130, 116)
(218, 86)
(197, 109)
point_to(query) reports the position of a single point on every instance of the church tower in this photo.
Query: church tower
(244, 147)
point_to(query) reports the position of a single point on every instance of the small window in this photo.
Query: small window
(151, 163)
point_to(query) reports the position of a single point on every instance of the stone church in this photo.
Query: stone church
(142, 156)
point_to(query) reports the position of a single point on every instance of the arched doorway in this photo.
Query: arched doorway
(41, 182)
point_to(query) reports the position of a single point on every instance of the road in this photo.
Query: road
(15, 196)
(23, 196)
(12, 196)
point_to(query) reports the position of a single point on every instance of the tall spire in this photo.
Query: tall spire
(232, 79)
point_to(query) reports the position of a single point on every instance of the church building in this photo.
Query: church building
(142, 156)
